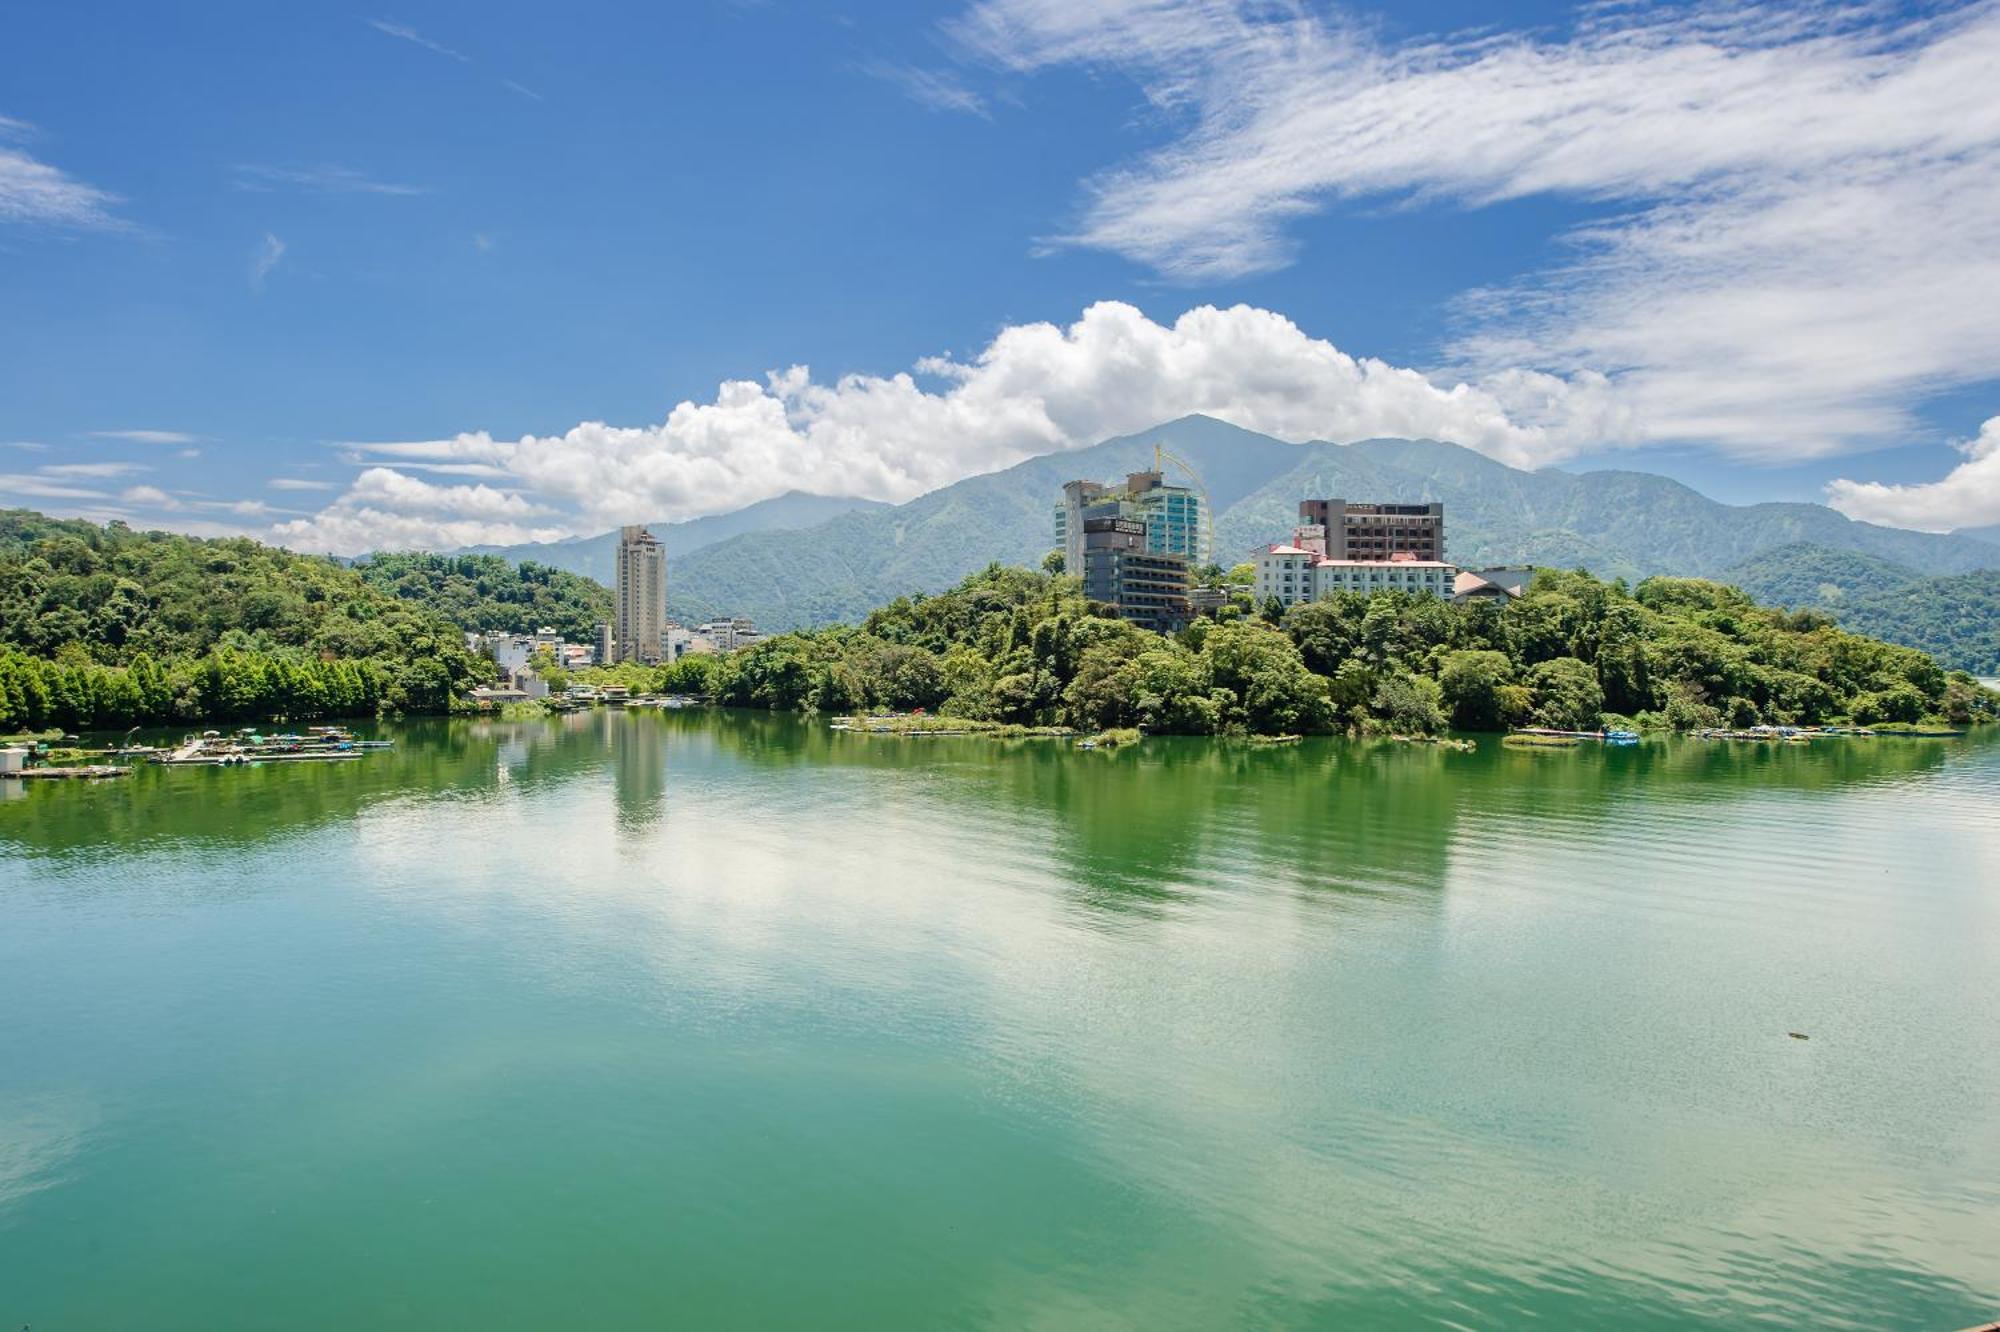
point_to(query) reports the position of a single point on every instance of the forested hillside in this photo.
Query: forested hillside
(489, 592)
(106, 626)
(1954, 617)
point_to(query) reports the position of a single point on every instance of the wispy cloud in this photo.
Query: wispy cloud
(934, 88)
(25, 446)
(43, 487)
(403, 32)
(151, 496)
(93, 469)
(33, 193)
(406, 33)
(299, 483)
(1806, 239)
(267, 257)
(147, 436)
(318, 179)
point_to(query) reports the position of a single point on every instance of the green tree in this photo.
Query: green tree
(1566, 694)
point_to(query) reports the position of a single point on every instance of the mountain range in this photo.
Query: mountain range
(839, 564)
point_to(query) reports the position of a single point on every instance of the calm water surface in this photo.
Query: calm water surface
(717, 1020)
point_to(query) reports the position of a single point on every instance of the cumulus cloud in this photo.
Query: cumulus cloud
(388, 510)
(1967, 496)
(1034, 389)
(34, 193)
(1803, 229)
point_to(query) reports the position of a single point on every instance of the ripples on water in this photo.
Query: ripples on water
(734, 1021)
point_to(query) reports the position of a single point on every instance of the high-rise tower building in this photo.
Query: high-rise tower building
(1172, 515)
(642, 594)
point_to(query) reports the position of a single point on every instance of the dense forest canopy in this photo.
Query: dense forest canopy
(111, 627)
(1012, 645)
(487, 592)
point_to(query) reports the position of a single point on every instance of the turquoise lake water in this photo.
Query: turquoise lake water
(723, 1020)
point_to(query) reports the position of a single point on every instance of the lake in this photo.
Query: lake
(702, 1019)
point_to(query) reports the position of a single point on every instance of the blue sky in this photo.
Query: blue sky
(431, 273)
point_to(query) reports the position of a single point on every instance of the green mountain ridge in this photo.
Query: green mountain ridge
(1953, 617)
(1615, 523)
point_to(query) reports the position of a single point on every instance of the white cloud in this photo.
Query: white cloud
(411, 35)
(267, 257)
(522, 89)
(1035, 388)
(1808, 230)
(937, 89)
(318, 179)
(1967, 496)
(298, 483)
(387, 510)
(146, 436)
(42, 487)
(92, 469)
(34, 193)
(151, 496)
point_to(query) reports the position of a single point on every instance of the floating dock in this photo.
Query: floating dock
(212, 749)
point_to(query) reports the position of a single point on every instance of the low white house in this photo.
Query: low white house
(1294, 575)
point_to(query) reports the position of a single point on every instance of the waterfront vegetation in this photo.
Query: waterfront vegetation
(1010, 645)
(108, 627)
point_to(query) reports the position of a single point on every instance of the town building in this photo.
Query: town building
(606, 644)
(1295, 575)
(1500, 584)
(1208, 600)
(641, 595)
(1173, 517)
(1119, 568)
(679, 640)
(1353, 531)
(729, 634)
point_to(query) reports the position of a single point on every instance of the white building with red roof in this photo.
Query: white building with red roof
(1296, 575)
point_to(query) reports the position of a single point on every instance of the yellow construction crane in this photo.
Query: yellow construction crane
(1160, 458)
